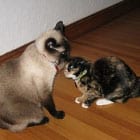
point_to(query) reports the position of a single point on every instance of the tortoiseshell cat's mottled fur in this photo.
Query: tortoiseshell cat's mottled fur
(109, 78)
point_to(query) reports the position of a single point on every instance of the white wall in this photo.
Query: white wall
(21, 21)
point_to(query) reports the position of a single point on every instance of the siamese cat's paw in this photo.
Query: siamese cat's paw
(42, 122)
(84, 105)
(103, 102)
(59, 114)
(77, 100)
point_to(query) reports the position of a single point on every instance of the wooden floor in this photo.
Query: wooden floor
(113, 122)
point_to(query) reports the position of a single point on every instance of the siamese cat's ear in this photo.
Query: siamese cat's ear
(60, 27)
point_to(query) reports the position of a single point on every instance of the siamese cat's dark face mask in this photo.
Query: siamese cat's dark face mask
(60, 49)
(54, 45)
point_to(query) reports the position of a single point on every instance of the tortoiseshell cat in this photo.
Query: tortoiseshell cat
(109, 78)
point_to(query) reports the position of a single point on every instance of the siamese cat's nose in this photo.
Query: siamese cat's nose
(65, 56)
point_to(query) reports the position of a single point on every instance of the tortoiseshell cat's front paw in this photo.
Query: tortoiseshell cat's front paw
(85, 105)
(77, 100)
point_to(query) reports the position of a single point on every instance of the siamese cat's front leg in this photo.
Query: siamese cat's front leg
(50, 106)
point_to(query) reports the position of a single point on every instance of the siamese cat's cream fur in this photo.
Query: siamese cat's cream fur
(26, 83)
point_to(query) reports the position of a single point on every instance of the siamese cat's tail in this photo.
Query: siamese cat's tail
(136, 90)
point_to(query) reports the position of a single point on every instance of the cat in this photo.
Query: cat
(108, 79)
(26, 83)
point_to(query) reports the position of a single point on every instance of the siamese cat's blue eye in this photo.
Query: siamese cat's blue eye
(51, 43)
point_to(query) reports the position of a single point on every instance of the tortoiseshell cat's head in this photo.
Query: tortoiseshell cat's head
(75, 66)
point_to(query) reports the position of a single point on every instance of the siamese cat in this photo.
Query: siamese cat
(109, 78)
(26, 83)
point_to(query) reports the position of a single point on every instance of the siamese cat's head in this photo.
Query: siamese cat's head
(75, 67)
(54, 45)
